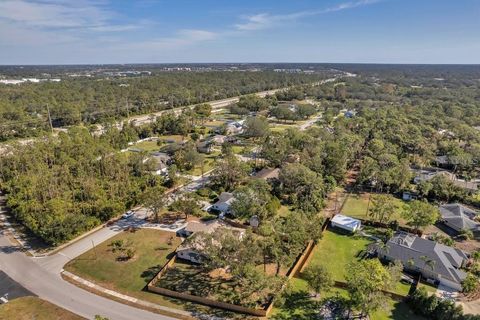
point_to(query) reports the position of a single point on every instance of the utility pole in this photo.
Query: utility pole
(49, 118)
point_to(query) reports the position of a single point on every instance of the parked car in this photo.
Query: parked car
(128, 214)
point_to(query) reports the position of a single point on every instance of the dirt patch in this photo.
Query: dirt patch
(468, 245)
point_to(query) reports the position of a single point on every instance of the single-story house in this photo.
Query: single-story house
(218, 139)
(200, 226)
(205, 146)
(459, 217)
(160, 162)
(192, 248)
(431, 259)
(426, 175)
(267, 174)
(345, 223)
(224, 202)
(234, 127)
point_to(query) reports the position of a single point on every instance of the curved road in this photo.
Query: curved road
(51, 287)
(42, 276)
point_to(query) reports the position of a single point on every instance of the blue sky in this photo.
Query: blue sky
(128, 31)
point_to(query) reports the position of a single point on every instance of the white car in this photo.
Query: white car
(128, 214)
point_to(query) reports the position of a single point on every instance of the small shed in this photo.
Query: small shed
(346, 223)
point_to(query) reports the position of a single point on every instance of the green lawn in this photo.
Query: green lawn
(100, 265)
(147, 146)
(299, 305)
(33, 308)
(357, 205)
(335, 251)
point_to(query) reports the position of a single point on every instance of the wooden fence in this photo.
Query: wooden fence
(299, 264)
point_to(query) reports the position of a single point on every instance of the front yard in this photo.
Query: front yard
(152, 250)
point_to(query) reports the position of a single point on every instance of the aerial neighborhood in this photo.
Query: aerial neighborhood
(238, 209)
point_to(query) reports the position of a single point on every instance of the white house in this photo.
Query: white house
(224, 202)
(345, 223)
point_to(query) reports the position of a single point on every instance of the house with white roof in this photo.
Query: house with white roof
(345, 222)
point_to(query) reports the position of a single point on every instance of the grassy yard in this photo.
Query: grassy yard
(147, 146)
(357, 205)
(100, 265)
(209, 164)
(335, 251)
(299, 305)
(29, 308)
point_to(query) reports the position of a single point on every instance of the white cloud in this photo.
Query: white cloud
(266, 20)
(61, 15)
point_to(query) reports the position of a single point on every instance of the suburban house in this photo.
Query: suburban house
(192, 248)
(205, 146)
(200, 226)
(432, 260)
(345, 223)
(224, 202)
(160, 162)
(459, 217)
(234, 127)
(218, 139)
(267, 174)
(426, 175)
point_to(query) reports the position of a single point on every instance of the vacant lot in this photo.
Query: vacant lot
(357, 206)
(216, 285)
(152, 250)
(29, 308)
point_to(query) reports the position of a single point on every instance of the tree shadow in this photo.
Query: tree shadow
(151, 272)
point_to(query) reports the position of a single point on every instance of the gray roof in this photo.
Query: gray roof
(459, 217)
(407, 247)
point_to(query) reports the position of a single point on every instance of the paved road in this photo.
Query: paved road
(10, 289)
(51, 287)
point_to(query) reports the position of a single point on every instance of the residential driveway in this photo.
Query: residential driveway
(10, 289)
(446, 293)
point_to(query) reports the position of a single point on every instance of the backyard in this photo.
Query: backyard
(334, 251)
(357, 206)
(298, 305)
(216, 285)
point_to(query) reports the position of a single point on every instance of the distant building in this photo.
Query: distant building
(224, 202)
(267, 174)
(160, 161)
(459, 217)
(345, 223)
(431, 259)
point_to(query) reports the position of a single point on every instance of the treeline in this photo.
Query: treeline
(23, 108)
(60, 187)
